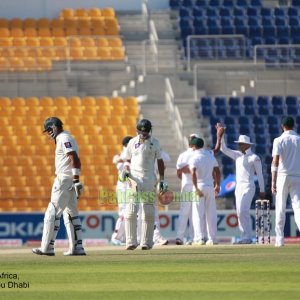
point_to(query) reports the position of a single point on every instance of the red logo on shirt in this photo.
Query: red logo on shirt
(68, 145)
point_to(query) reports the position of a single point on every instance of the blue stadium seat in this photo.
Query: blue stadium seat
(274, 129)
(187, 3)
(277, 100)
(293, 21)
(266, 11)
(292, 11)
(267, 21)
(260, 150)
(244, 129)
(227, 161)
(184, 12)
(263, 110)
(221, 111)
(279, 11)
(258, 129)
(284, 40)
(278, 110)
(249, 101)
(292, 110)
(212, 22)
(197, 11)
(239, 21)
(175, 4)
(206, 101)
(243, 120)
(226, 21)
(235, 110)
(225, 12)
(214, 30)
(260, 139)
(255, 31)
(252, 11)
(228, 3)
(272, 120)
(268, 159)
(234, 101)
(263, 101)
(291, 100)
(214, 3)
(269, 31)
(241, 3)
(228, 29)
(280, 21)
(239, 12)
(256, 3)
(244, 30)
(283, 31)
(201, 3)
(254, 21)
(257, 120)
(295, 3)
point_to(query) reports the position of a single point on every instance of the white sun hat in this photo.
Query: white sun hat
(244, 139)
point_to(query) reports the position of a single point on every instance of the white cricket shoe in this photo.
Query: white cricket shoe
(117, 242)
(161, 241)
(211, 243)
(278, 245)
(76, 252)
(38, 251)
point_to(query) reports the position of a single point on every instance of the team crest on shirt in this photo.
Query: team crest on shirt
(136, 145)
(68, 145)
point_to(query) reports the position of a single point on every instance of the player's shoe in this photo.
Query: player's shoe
(189, 243)
(161, 241)
(200, 243)
(146, 247)
(117, 242)
(76, 252)
(211, 243)
(131, 247)
(38, 251)
(179, 242)
(278, 245)
(244, 242)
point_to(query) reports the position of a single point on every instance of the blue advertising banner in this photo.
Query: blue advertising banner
(100, 225)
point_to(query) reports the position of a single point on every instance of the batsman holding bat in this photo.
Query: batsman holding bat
(66, 190)
(141, 152)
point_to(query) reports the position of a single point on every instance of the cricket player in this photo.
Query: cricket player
(286, 176)
(206, 183)
(66, 191)
(247, 165)
(141, 154)
(118, 236)
(185, 211)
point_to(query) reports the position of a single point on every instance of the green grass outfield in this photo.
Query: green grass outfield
(169, 272)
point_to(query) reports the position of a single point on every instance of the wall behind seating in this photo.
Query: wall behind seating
(51, 8)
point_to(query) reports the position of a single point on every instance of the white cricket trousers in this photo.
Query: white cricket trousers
(244, 194)
(185, 213)
(205, 215)
(286, 185)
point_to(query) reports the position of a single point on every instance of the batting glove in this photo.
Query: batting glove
(124, 174)
(163, 186)
(78, 187)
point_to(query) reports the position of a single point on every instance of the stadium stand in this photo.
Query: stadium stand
(27, 156)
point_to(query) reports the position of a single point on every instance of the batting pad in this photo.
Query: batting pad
(51, 227)
(148, 216)
(74, 231)
(131, 223)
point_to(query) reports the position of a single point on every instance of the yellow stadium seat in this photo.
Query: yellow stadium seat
(46, 42)
(46, 32)
(90, 53)
(115, 42)
(117, 101)
(29, 22)
(106, 130)
(95, 12)
(32, 102)
(130, 101)
(4, 32)
(115, 120)
(14, 171)
(71, 31)
(5, 102)
(58, 32)
(20, 52)
(74, 42)
(44, 63)
(4, 23)
(18, 101)
(16, 32)
(120, 131)
(85, 31)
(4, 121)
(48, 111)
(29, 63)
(92, 130)
(60, 41)
(16, 23)
(4, 64)
(67, 13)
(20, 111)
(10, 161)
(98, 31)
(30, 32)
(108, 12)
(81, 12)
(97, 23)
(43, 23)
(33, 42)
(104, 53)
(88, 101)
(76, 53)
(77, 130)
(22, 139)
(111, 26)
(61, 53)
(57, 23)
(48, 52)
(86, 150)
(117, 53)
(60, 101)
(74, 101)
(88, 121)
(87, 42)
(34, 52)
(111, 140)
(46, 102)
(34, 111)
(5, 42)
(84, 22)
(101, 42)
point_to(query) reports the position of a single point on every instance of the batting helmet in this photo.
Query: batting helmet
(51, 125)
(165, 198)
(144, 125)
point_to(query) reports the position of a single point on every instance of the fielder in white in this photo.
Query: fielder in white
(65, 193)
(206, 182)
(118, 236)
(247, 165)
(142, 152)
(185, 211)
(286, 176)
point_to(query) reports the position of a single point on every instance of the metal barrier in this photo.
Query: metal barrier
(174, 115)
(215, 47)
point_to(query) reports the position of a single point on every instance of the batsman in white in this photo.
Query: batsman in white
(142, 151)
(206, 183)
(286, 176)
(118, 236)
(185, 211)
(247, 165)
(66, 191)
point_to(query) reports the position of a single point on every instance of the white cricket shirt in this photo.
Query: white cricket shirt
(182, 161)
(287, 146)
(142, 155)
(65, 143)
(246, 165)
(204, 163)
